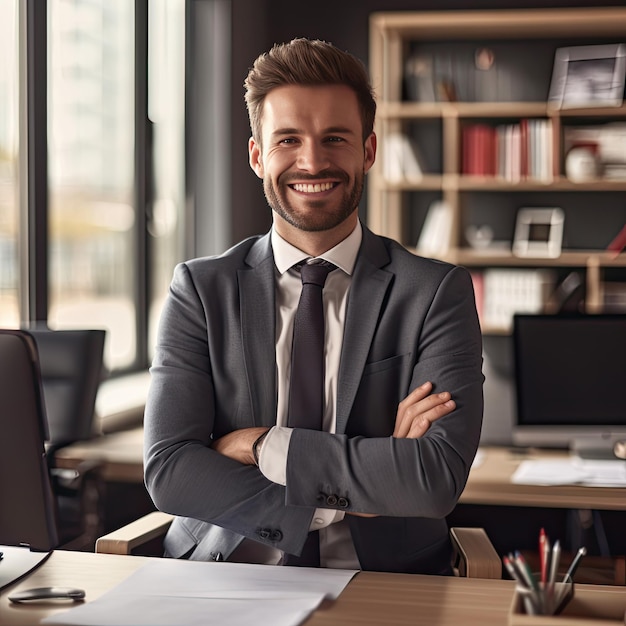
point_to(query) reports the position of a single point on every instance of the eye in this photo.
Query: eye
(335, 139)
(288, 141)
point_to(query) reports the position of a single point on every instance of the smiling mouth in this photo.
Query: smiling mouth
(313, 187)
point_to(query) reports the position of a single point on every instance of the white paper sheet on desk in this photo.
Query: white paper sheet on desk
(571, 471)
(167, 592)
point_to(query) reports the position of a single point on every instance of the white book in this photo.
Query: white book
(434, 239)
(400, 158)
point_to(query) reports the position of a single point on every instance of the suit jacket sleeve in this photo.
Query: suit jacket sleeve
(183, 475)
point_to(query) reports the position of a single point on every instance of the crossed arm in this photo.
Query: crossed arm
(414, 416)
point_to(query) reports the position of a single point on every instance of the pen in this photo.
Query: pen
(513, 572)
(554, 566)
(544, 552)
(554, 562)
(526, 572)
(575, 563)
(529, 595)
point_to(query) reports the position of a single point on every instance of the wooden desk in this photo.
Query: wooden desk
(121, 455)
(371, 598)
(489, 483)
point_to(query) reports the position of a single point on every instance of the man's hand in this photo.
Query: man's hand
(419, 410)
(237, 445)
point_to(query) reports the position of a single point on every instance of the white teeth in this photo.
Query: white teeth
(313, 188)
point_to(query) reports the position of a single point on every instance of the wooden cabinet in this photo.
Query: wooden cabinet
(437, 75)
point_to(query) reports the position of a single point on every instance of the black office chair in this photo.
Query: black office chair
(28, 523)
(71, 363)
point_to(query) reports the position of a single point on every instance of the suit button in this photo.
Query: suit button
(264, 533)
(216, 556)
(276, 535)
(343, 503)
(331, 500)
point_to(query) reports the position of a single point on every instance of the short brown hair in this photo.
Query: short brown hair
(307, 62)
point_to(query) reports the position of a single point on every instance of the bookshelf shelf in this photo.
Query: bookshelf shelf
(439, 115)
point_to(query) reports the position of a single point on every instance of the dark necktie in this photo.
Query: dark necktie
(306, 391)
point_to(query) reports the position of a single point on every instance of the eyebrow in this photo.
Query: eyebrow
(342, 130)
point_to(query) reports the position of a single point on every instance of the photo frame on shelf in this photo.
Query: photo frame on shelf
(538, 232)
(587, 76)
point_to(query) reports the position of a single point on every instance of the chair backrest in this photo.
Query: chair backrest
(27, 508)
(71, 364)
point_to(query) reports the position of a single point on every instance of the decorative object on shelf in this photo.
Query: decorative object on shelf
(618, 244)
(420, 84)
(538, 232)
(582, 163)
(484, 58)
(479, 237)
(585, 76)
(608, 139)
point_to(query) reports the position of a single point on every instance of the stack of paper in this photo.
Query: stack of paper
(167, 592)
(571, 471)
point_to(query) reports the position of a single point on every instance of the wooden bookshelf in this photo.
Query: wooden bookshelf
(523, 43)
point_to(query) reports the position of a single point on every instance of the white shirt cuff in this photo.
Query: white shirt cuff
(273, 454)
(273, 465)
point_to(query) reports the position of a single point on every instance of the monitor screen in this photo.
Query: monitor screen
(570, 373)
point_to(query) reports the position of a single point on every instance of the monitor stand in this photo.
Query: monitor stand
(16, 562)
(594, 448)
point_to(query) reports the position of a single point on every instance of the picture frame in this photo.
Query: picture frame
(588, 76)
(538, 232)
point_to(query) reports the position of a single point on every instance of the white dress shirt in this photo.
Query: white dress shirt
(336, 547)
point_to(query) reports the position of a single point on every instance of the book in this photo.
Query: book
(479, 150)
(401, 159)
(434, 239)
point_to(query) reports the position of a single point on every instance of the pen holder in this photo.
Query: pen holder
(585, 607)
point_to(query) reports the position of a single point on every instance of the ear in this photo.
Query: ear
(255, 157)
(370, 151)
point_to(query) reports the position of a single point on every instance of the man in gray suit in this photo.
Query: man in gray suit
(403, 380)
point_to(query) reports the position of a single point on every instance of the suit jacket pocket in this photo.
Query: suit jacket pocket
(381, 388)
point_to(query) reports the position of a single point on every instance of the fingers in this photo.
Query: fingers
(422, 422)
(420, 409)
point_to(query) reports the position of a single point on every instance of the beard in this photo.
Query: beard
(315, 217)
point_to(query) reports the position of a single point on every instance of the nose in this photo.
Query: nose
(312, 157)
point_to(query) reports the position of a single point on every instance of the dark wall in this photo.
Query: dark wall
(257, 24)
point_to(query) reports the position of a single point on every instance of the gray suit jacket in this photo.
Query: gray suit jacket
(408, 320)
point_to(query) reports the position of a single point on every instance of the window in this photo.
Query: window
(92, 271)
(9, 141)
(105, 235)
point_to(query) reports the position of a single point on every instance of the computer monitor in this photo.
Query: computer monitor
(28, 529)
(570, 375)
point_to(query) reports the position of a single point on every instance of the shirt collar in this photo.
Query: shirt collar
(343, 255)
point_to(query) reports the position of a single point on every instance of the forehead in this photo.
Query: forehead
(311, 108)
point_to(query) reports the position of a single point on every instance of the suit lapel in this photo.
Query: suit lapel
(258, 327)
(367, 293)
